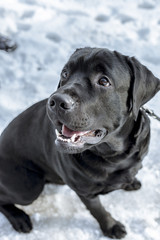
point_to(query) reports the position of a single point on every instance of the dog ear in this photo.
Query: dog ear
(144, 85)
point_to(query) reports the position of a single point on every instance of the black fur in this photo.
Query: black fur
(29, 157)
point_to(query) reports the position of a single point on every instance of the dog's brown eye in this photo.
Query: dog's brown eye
(64, 74)
(104, 81)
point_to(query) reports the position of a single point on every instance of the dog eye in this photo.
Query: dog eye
(104, 81)
(64, 74)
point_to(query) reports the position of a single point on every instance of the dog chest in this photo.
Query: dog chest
(91, 179)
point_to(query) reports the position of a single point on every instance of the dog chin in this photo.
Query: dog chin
(69, 148)
(69, 141)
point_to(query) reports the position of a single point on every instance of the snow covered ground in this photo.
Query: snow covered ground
(47, 32)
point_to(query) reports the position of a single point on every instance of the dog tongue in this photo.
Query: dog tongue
(69, 133)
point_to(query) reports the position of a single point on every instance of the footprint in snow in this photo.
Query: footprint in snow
(146, 5)
(143, 33)
(75, 13)
(102, 18)
(53, 37)
(29, 2)
(27, 14)
(23, 26)
(125, 18)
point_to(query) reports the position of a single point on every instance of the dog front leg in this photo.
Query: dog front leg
(109, 225)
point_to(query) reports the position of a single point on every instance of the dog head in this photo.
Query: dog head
(98, 90)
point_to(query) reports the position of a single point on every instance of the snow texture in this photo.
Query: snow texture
(47, 32)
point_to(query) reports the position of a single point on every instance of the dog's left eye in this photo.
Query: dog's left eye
(64, 74)
(104, 81)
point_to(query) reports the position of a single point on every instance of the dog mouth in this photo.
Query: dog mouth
(79, 138)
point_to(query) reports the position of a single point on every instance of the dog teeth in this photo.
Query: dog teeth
(57, 133)
(73, 137)
(67, 140)
(63, 139)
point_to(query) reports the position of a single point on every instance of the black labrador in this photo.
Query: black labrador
(90, 134)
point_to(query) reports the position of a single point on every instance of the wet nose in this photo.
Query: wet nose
(61, 101)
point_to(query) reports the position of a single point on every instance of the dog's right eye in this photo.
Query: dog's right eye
(104, 81)
(64, 74)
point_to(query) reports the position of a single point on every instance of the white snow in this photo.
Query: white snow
(47, 32)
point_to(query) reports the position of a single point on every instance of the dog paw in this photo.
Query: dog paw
(21, 222)
(136, 185)
(117, 231)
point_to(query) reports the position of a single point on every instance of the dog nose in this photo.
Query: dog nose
(61, 101)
